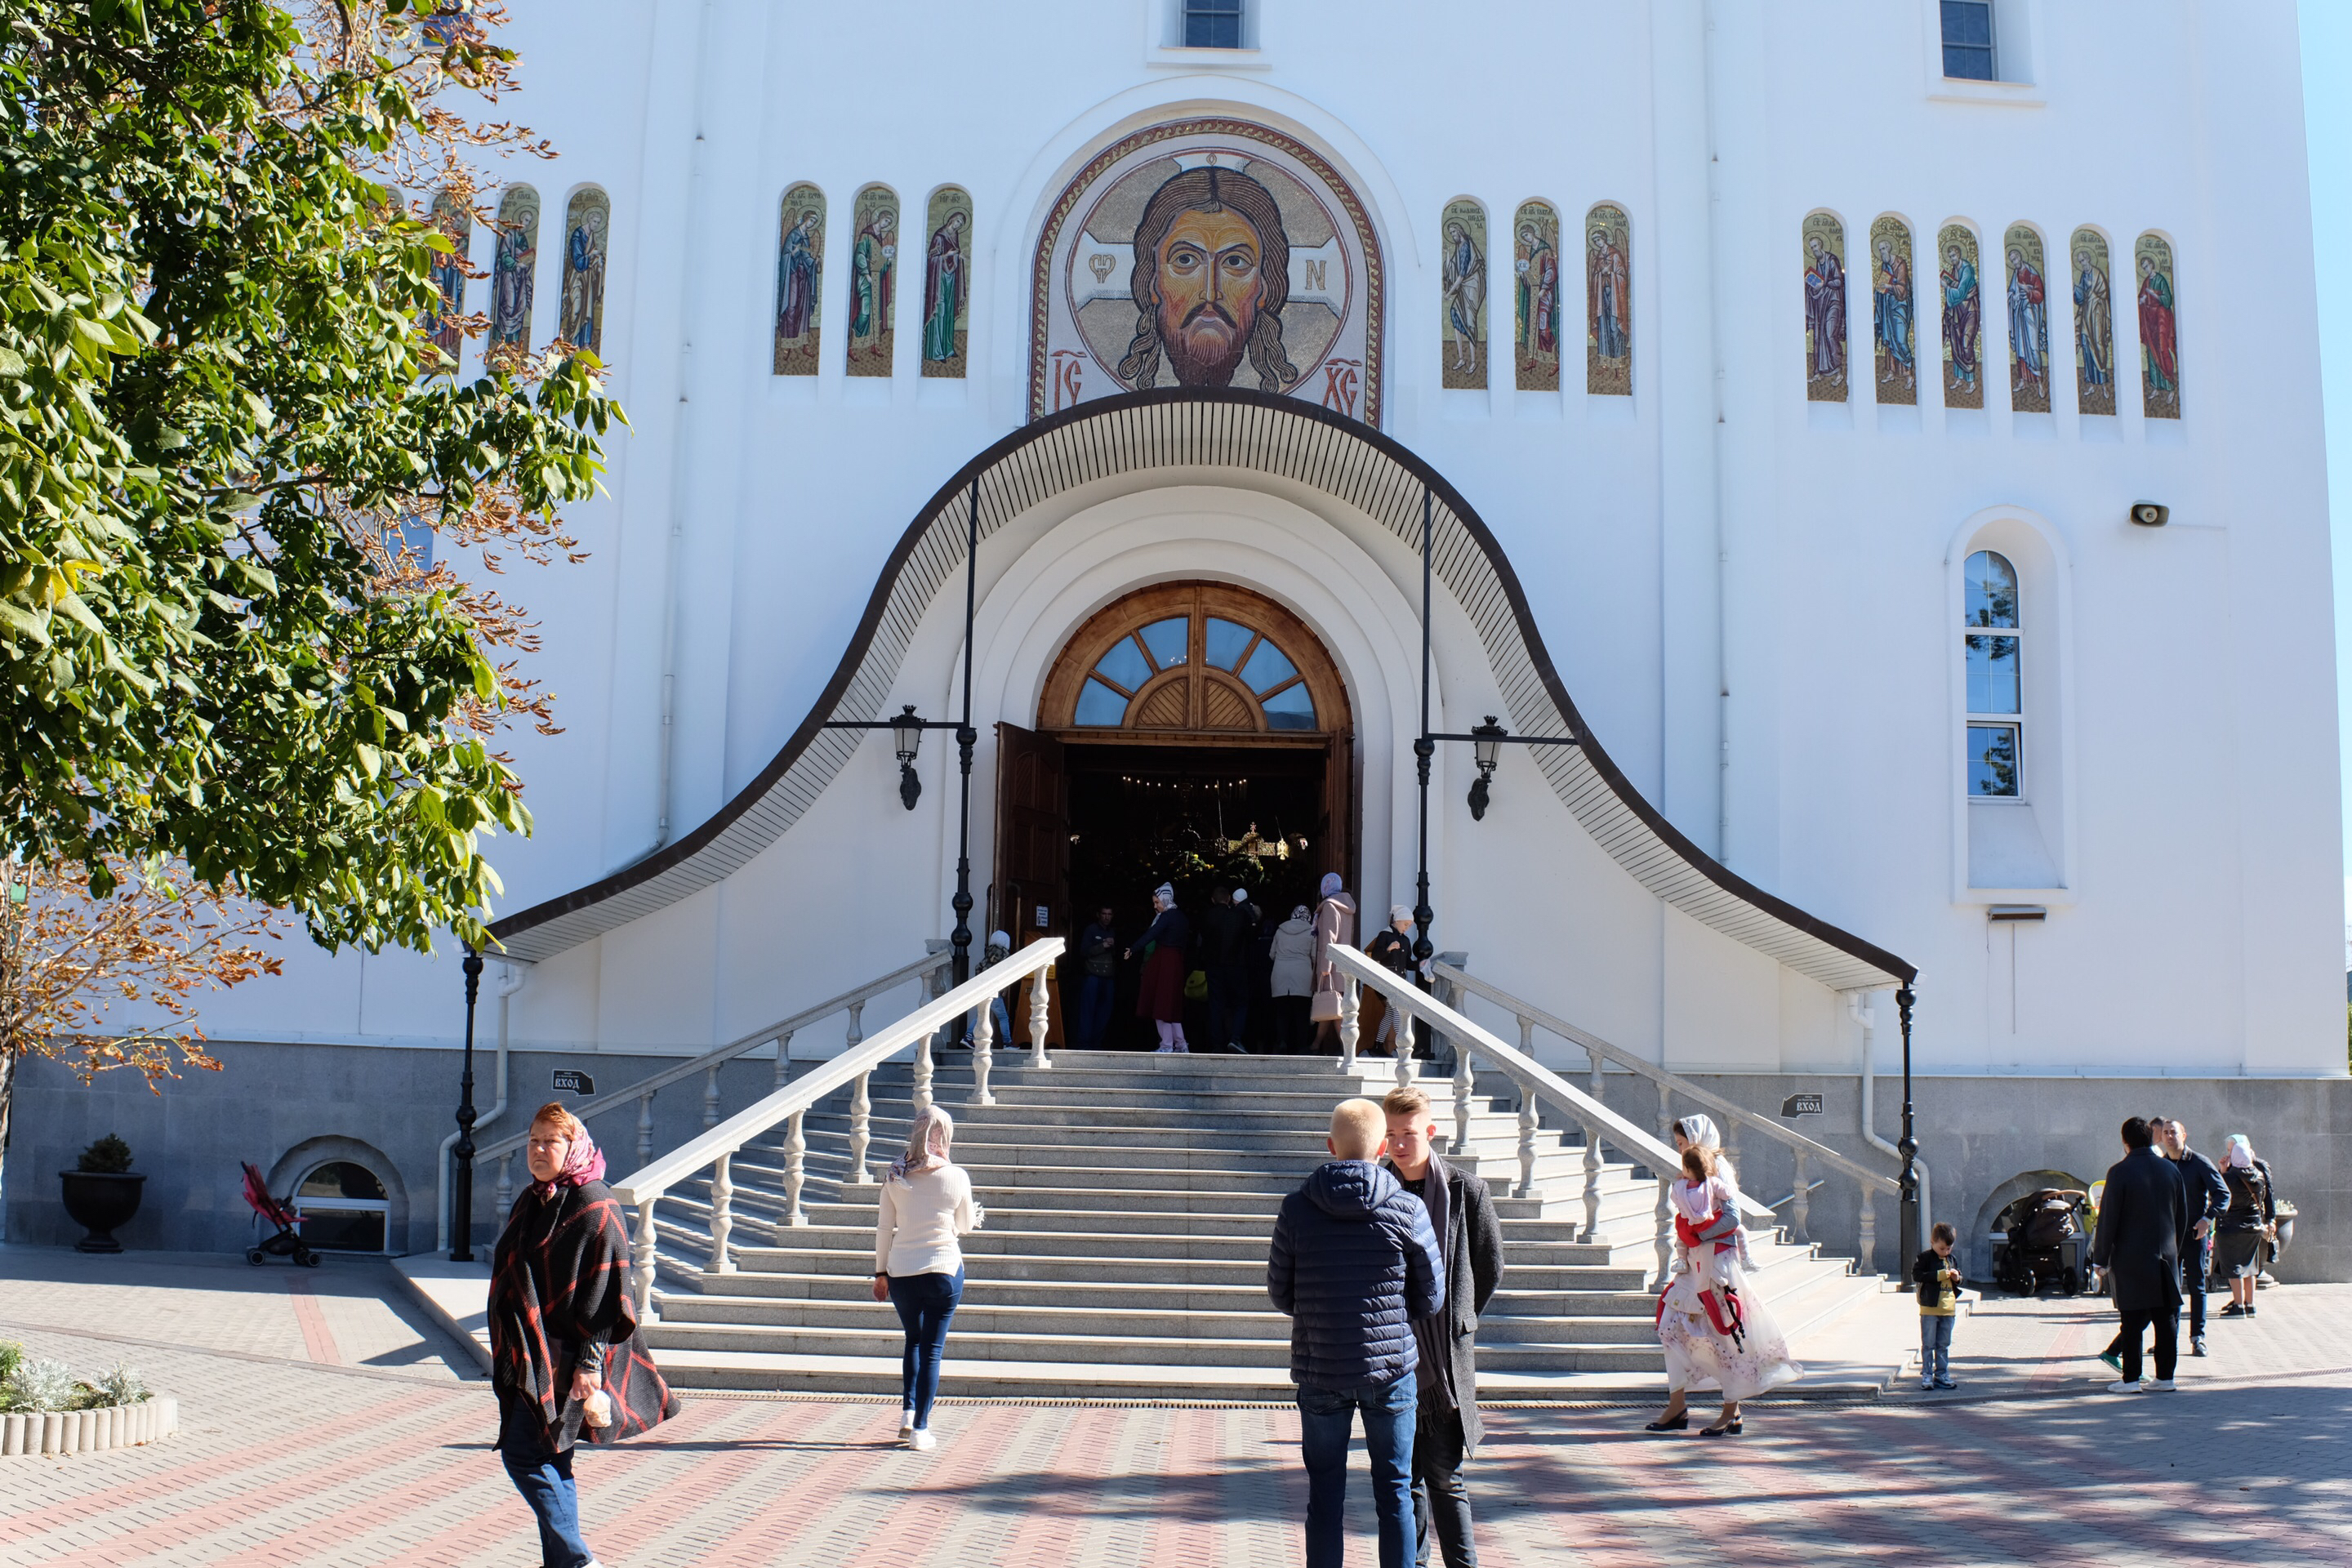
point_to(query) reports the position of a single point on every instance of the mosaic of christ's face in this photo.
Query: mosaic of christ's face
(1210, 288)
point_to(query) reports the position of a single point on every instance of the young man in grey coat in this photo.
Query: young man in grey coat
(1470, 1239)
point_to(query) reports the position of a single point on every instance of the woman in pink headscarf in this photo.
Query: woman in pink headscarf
(566, 1359)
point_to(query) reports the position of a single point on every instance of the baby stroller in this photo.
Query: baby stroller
(285, 1244)
(2045, 1236)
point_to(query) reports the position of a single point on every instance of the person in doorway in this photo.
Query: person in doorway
(566, 1359)
(926, 1203)
(1098, 969)
(1163, 944)
(2205, 1198)
(1938, 1278)
(2138, 1244)
(1392, 951)
(1292, 983)
(1228, 931)
(999, 949)
(1335, 922)
(1352, 1264)
(2247, 1224)
(1470, 1242)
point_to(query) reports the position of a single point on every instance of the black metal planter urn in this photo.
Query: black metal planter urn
(99, 1201)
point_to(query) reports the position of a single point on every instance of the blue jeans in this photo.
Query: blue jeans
(1325, 1420)
(925, 1303)
(544, 1476)
(1094, 1010)
(1936, 1346)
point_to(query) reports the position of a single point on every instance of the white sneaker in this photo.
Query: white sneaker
(906, 1424)
(2165, 1385)
(921, 1441)
(2125, 1387)
(1927, 1384)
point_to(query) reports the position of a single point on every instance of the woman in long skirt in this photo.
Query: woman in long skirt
(926, 1203)
(566, 1360)
(1711, 1327)
(1161, 996)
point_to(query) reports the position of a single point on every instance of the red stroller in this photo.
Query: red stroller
(285, 1244)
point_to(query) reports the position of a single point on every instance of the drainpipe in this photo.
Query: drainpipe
(1868, 1019)
(510, 981)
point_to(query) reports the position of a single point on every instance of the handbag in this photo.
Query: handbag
(1196, 985)
(1325, 1009)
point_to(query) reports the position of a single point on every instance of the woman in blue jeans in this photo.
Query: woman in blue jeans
(926, 1203)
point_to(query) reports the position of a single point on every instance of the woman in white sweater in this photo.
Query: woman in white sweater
(926, 1203)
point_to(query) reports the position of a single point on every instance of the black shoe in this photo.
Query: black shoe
(1731, 1430)
(1679, 1423)
(2250, 1308)
(2233, 1310)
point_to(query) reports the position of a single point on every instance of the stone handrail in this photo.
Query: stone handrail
(1597, 1050)
(1535, 1082)
(719, 1144)
(642, 1092)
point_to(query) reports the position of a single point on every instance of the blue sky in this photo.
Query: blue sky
(2328, 113)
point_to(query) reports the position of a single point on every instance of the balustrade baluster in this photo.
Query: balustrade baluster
(861, 1128)
(1868, 1241)
(923, 1062)
(711, 1098)
(1526, 1138)
(505, 1197)
(783, 1057)
(983, 1052)
(1665, 1217)
(1350, 1003)
(722, 1213)
(642, 1259)
(1041, 1017)
(1465, 1092)
(1592, 1152)
(1799, 1205)
(646, 1126)
(1401, 1046)
(795, 1168)
(856, 1026)
(1731, 1144)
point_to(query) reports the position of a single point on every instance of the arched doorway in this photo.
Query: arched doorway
(1193, 733)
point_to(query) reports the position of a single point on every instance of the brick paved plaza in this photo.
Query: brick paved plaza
(326, 1422)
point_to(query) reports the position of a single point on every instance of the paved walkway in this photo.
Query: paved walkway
(340, 1432)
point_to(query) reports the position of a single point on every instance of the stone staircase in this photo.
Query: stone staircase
(1129, 1198)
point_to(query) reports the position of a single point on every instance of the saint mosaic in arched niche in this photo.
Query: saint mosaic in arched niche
(511, 275)
(1207, 253)
(587, 235)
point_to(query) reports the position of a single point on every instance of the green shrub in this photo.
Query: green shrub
(109, 1156)
(38, 1383)
(123, 1385)
(12, 1356)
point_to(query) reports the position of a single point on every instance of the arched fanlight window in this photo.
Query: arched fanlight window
(1196, 657)
(1992, 640)
(343, 1208)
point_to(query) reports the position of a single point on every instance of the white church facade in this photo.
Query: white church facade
(1883, 436)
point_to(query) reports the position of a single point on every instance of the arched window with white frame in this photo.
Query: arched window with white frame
(1993, 639)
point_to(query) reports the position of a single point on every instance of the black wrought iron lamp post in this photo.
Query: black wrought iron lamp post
(461, 1180)
(1911, 1244)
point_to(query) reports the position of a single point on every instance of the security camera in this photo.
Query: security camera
(2147, 514)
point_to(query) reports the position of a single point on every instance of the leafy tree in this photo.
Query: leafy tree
(218, 396)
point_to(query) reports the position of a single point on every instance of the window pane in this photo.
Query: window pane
(339, 1230)
(1098, 704)
(1225, 642)
(1166, 640)
(1968, 22)
(1266, 667)
(1290, 709)
(1124, 665)
(1992, 674)
(1213, 24)
(1992, 760)
(342, 1180)
(1991, 590)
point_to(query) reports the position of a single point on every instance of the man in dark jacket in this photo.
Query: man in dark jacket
(1099, 966)
(1470, 1240)
(2205, 1198)
(1354, 1262)
(2138, 1244)
(1228, 931)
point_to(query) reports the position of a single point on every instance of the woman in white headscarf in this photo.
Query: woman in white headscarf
(2249, 1224)
(1160, 996)
(1700, 1131)
(926, 1203)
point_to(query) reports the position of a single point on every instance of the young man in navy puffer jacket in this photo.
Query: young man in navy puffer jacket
(1354, 1262)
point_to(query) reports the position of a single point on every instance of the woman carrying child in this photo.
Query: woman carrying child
(1711, 1327)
